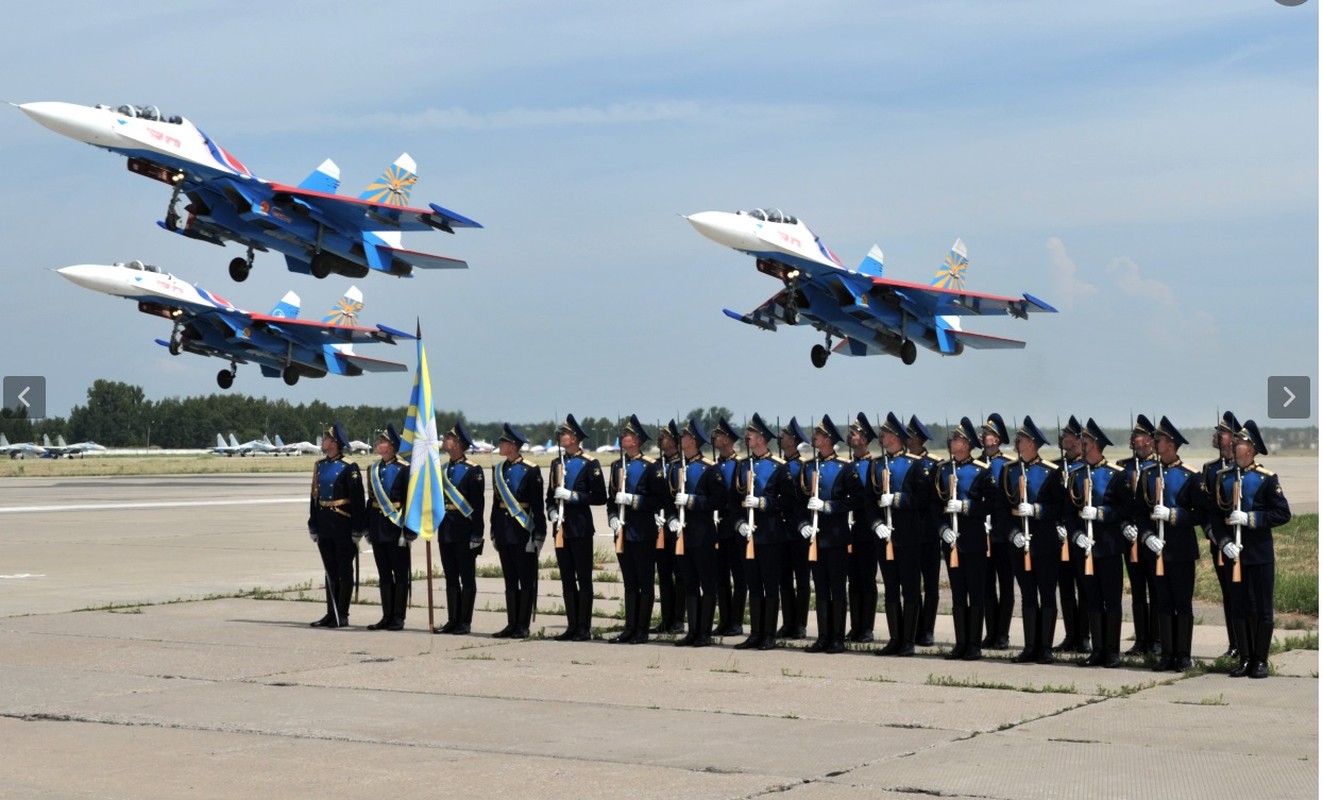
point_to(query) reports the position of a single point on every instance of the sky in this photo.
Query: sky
(1150, 169)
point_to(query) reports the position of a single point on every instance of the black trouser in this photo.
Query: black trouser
(862, 574)
(519, 569)
(900, 575)
(636, 564)
(1101, 591)
(732, 587)
(1173, 591)
(1072, 599)
(1251, 598)
(575, 562)
(1038, 586)
(999, 588)
(795, 589)
(338, 552)
(669, 592)
(763, 572)
(393, 569)
(697, 570)
(930, 576)
(459, 563)
(829, 577)
(967, 579)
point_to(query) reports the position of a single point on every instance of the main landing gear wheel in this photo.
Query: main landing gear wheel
(818, 355)
(291, 376)
(320, 266)
(225, 378)
(239, 270)
(908, 352)
(174, 346)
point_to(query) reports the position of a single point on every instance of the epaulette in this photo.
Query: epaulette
(586, 456)
(705, 461)
(1264, 470)
(1230, 468)
(776, 459)
(979, 464)
(1049, 464)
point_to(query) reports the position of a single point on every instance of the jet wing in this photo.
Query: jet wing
(982, 341)
(923, 300)
(352, 213)
(423, 260)
(372, 364)
(315, 333)
(766, 316)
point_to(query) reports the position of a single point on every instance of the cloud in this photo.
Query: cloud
(1069, 290)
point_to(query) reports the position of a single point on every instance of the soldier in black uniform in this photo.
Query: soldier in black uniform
(902, 489)
(963, 487)
(1170, 499)
(519, 526)
(1139, 562)
(459, 537)
(336, 522)
(732, 584)
(930, 544)
(1222, 440)
(861, 564)
(1030, 492)
(1102, 503)
(1074, 616)
(577, 485)
(630, 518)
(831, 490)
(760, 484)
(795, 589)
(1244, 532)
(670, 594)
(388, 484)
(999, 589)
(699, 492)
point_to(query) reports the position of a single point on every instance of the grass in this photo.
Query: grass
(1213, 700)
(1295, 587)
(974, 683)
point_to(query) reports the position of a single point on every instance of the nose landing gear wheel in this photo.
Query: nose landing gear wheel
(239, 270)
(291, 376)
(818, 355)
(908, 352)
(320, 266)
(225, 379)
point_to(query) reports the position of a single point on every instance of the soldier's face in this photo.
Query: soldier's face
(1025, 448)
(451, 446)
(1243, 452)
(568, 440)
(789, 444)
(959, 447)
(756, 442)
(1092, 452)
(688, 445)
(725, 444)
(1166, 447)
(891, 442)
(915, 444)
(1142, 444)
(1070, 445)
(384, 450)
(629, 443)
(823, 443)
(1223, 442)
(991, 441)
(508, 449)
(329, 447)
(666, 444)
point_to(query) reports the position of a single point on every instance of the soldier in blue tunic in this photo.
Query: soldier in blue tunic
(732, 586)
(699, 492)
(1250, 504)
(336, 522)
(760, 484)
(1139, 562)
(796, 592)
(576, 486)
(963, 487)
(1223, 434)
(670, 594)
(1074, 615)
(930, 544)
(831, 490)
(388, 485)
(861, 569)
(630, 517)
(901, 487)
(1031, 493)
(999, 588)
(519, 526)
(459, 536)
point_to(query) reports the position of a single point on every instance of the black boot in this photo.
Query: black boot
(1096, 658)
(1087, 642)
(867, 614)
(343, 597)
(527, 602)
(584, 626)
(571, 617)
(1232, 651)
(852, 595)
(511, 615)
(1112, 647)
(642, 620)
(626, 633)
(1139, 615)
(1155, 645)
(452, 612)
(1005, 613)
(399, 605)
(1244, 647)
(823, 613)
(328, 619)
(1262, 644)
(927, 622)
(707, 611)
(1183, 634)
(837, 628)
(387, 591)
(464, 619)
(770, 606)
(895, 629)
(691, 611)
(909, 626)
(755, 639)
(1070, 642)
(1031, 627)
(959, 619)
(1047, 629)
(1167, 636)
(973, 652)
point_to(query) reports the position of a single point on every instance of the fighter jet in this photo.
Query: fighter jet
(62, 449)
(20, 450)
(867, 313)
(207, 324)
(318, 231)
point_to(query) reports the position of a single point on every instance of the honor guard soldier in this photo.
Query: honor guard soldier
(963, 486)
(795, 589)
(577, 485)
(1102, 504)
(1250, 504)
(901, 487)
(699, 492)
(1074, 616)
(388, 484)
(1223, 434)
(336, 522)
(999, 589)
(1169, 493)
(670, 594)
(761, 483)
(831, 490)
(1031, 494)
(519, 526)
(732, 587)
(1139, 562)
(930, 544)
(861, 564)
(630, 518)
(459, 537)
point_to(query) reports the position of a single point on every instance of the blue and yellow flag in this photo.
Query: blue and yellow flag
(424, 506)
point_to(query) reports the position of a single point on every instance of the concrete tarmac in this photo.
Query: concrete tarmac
(136, 662)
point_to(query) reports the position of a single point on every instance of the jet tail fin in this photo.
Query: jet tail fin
(345, 312)
(279, 443)
(951, 275)
(872, 263)
(220, 440)
(324, 179)
(233, 441)
(288, 307)
(395, 184)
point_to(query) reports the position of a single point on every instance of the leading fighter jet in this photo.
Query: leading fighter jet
(318, 231)
(207, 324)
(868, 313)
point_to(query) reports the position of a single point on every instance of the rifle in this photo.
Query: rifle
(1134, 487)
(1162, 524)
(1065, 484)
(955, 520)
(748, 551)
(1235, 501)
(1024, 521)
(620, 487)
(1088, 523)
(560, 504)
(886, 489)
(813, 542)
(680, 482)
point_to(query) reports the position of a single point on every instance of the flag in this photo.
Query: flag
(418, 443)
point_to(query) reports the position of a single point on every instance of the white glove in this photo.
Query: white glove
(613, 523)
(1232, 550)
(1161, 513)
(752, 502)
(358, 536)
(659, 519)
(1061, 532)
(949, 536)
(887, 500)
(954, 506)
(1089, 513)
(1238, 517)
(987, 525)
(1155, 544)
(815, 504)
(806, 531)
(553, 516)
(562, 493)
(673, 525)
(626, 499)
(1129, 532)
(1082, 542)
(882, 530)
(313, 536)
(1019, 541)
(1024, 510)
(681, 500)
(743, 529)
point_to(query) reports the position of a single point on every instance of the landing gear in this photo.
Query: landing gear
(240, 267)
(172, 216)
(908, 352)
(818, 355)
(320, 266)
(291, 375)
(225, 378)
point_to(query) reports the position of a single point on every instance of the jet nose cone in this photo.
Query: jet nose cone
(67, 119)
(89, 276)
(725, 228)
